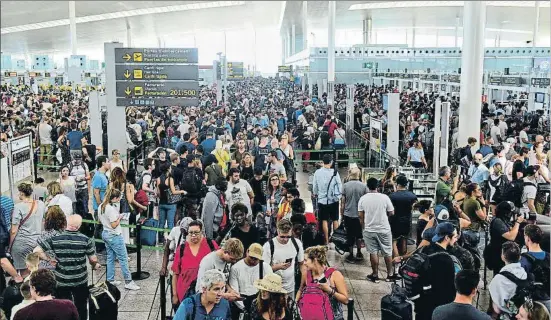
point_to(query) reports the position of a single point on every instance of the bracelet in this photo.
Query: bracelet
(332, 292)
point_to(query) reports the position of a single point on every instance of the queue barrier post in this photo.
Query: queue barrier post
(350, 309)
(162, 282)
(139, 274)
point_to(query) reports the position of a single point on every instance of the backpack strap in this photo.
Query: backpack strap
(295, 244)
(261, 269)
(272, 248)
(518, 282)
(194, 307)
(211, 245)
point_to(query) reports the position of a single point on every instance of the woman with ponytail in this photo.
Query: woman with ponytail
(112, 236)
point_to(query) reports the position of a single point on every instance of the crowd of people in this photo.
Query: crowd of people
(223, 179)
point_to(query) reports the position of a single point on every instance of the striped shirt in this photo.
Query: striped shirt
(70, 249)
(6, 210)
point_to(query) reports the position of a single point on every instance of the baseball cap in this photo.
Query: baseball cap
(441, 213)
(184, 224)
(255, 251)
(442, 230)
(530, 170)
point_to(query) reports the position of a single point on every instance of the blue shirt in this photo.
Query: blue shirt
(280, 125)
(221, 310)
(6, 210)
(100, 182)
(208, 145)
(479, 174)
(525, 263)
(485, 150)
(415, 154)
(326, 187)
(75, 140)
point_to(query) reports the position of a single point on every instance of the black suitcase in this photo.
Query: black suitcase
(395, 306)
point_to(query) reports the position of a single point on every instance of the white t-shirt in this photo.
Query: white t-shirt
(503, 127)
(495, 133)
(111, 214)
(529, 192)
(239, 193)
(44, 131)
(523, 136)
(64, 203)
(375, 207)
(282, 253)
(183, 129)
(211, 261)
(242, 277)
(173, 237)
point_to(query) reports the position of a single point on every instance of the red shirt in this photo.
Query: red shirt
(186, 270)
(332, 127)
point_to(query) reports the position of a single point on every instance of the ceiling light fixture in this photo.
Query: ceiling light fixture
(123, 14)
(420, 4)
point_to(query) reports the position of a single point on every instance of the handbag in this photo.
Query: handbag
(22, 223)
(171, 197)
(340, 240)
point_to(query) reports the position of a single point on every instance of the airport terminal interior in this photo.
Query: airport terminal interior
(275, 160)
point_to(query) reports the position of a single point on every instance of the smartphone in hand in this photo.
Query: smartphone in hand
(289, 260)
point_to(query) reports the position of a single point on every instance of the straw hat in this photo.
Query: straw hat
(271, 283)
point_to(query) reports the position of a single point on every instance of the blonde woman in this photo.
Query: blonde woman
(57, 198)
(324, 280)
(112, 236)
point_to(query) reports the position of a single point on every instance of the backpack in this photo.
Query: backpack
(540, 271)
(499, 184)
(140, 182)
(427, 139)
(53, 134)
(103, 302)
(191, 182)
(415, 272)
(526, 289)
(287, 163)
(133, 135)
(513, 191)
(314, 304)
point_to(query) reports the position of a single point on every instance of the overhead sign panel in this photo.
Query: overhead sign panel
(235, 70)
(494, 80)
(145, 89)
(285, 69)
(157, 72)
(143, 102)
(156, 55)
(540, 81)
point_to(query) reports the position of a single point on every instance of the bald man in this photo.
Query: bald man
(68, 252)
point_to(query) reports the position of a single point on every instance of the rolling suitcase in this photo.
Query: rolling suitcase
(395, 306)
(149, 237)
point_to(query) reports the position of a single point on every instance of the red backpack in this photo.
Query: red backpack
(314, 303)
(141, 198)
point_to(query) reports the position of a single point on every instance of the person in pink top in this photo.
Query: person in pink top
(187, 257)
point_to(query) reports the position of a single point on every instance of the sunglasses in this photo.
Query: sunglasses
(275, 179)
(285, 237)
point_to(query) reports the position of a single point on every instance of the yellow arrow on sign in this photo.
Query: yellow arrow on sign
(127, 74)
(127, 91)
(126, 57)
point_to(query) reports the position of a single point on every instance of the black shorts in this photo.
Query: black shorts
(328, 212)
(353, 229)
(400, 230)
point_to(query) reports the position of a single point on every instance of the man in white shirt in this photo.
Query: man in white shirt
(374, 209)
(245, 272)
(184, 127)
(239, 190)
(44, 132)
(495, 133)
(503, 126)
(285, 253)
(523, 135)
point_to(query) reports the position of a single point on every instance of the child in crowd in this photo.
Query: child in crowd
(31, 261)
(40, 192)
(27, 298)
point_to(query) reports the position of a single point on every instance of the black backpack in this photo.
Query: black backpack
(513, 191)
(53, 135)
(540, 270)
(415, 273)
(499, 184)
(140, 182)
(287, 164)
(133, 135)
(103, 302)
(191, 182)
(526, 289)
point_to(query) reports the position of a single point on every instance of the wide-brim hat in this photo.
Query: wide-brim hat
(271, 283)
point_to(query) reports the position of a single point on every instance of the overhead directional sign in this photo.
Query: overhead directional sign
(157, 72)
(163, 102)
(540, 82)
(156, 55)
(284, 68)
(235, 71)
(175, 89)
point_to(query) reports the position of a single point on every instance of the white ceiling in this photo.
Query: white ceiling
(169, 26)
(507, 18)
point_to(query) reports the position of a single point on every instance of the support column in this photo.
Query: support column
(536, 25)
(283, 50)
(436, 38)
(331, 42)
(115, 115)
(367, 31)
(472, 59)
(73, 27)
(413, 37)
(288, 41)
(293, 39)
(128, 34)
(456, 40)
(304, 25)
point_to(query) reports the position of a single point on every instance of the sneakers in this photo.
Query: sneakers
(350, 259)
(393, 278)
(373, 278)
(131, 286)
(115, 282)
(359, 257)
